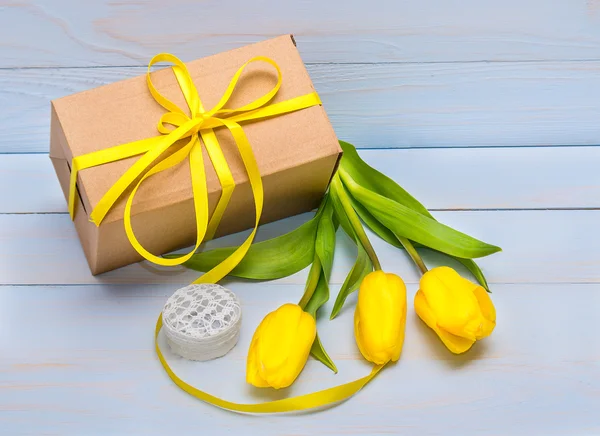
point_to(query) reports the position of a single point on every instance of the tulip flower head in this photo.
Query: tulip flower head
(458, 310)
(280, 347)
(380, 317)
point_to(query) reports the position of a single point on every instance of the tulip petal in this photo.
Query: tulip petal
(253, 375)
(487, 310)
(400, 340)
(380, 317)
(451, 298)
(358, 335)
(305, 336)
(280, 347)
(277, 343)
(277, 337)
(455, 344)
(423, 310)
(252, 364)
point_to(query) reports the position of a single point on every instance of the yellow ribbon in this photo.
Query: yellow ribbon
(200, 123)
(301, 402)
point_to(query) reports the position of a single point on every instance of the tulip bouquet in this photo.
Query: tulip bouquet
(458, 310)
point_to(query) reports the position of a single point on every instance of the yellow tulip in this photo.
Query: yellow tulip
(380, 317)
(458, 310)
(280, 347)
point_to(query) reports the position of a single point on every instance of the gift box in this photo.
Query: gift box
(296, 152)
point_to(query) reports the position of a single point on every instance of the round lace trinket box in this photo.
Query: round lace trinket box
(202, 322)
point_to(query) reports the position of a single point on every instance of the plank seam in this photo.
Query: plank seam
(358, 147)
(481, 61)
(523, 209)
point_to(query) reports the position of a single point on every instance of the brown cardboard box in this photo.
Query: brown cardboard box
(297, 153)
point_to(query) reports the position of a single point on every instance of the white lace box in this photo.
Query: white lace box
(202, 322)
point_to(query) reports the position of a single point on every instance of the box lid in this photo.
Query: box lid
(125, 111)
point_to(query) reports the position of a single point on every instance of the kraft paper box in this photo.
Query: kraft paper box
(297, 153)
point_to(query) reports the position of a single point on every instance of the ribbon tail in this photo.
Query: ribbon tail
(225, 179)
(245, 149)
(313, 400)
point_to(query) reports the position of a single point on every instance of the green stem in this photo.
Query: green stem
(315, 270)
(412, 252)
(322, 204)
(311, 282)
(355, 220)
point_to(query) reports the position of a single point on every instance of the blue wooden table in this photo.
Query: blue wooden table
(488, 112)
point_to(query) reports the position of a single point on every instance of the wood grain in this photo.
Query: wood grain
(442, 82)
(539, 247)
(378, 106)
(69, 33)
(84, 364)
(443, 179)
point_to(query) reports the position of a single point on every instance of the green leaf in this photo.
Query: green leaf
(384, 233)
(319, 297)
(371, 179)
(475, 270)
(317, 289)
(271, 259)
(379, 183)
(340, 214)
(379, 229)
(319, 353)
(325, 240)
(340, 191)
(417, 227)
(314, 274)
(314, 296)
(362, 267)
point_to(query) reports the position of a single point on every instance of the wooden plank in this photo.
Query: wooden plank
(28, 184)
(67, 33)
(539, 247)
(378, 106)
(478, 178)
(81, 358)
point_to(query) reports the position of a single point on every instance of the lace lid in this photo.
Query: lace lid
(202, 322)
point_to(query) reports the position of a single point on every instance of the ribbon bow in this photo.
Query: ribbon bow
(199, 123)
